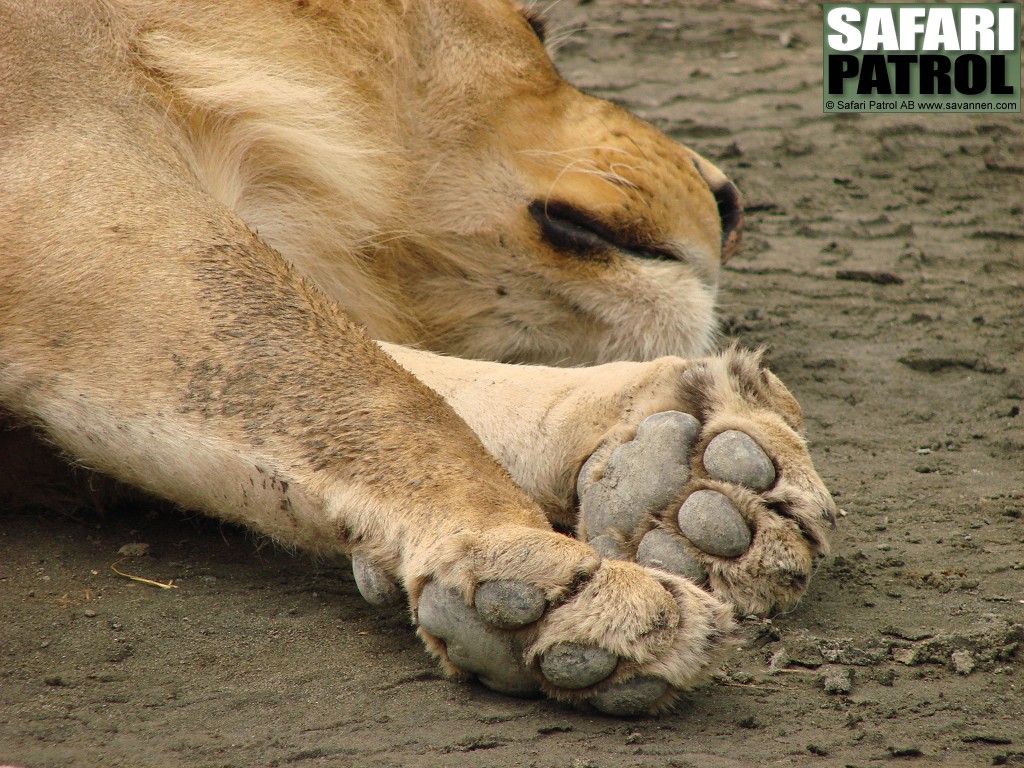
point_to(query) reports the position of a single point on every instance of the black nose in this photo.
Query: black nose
(730, 210)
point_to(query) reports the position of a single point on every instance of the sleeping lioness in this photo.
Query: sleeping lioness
(372, 279)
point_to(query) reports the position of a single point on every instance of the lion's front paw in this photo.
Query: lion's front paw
(726, 497)
(532, 612)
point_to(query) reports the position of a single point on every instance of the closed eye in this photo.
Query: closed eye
(571, 230)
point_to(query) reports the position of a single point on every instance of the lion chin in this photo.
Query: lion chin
(281, 262)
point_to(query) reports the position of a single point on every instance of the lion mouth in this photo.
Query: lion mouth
(580, 234)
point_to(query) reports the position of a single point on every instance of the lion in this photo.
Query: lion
(370, 278)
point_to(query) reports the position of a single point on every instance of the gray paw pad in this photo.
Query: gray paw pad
(574, 666)
(608, 547)
(509, 604)
(660, 549)
(375, 585)
(472, 646)
(734, 457)
(641, 476)
(710, 521)
(633, 697)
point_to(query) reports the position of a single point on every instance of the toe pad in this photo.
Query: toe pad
(734, 457)
(660, 549)
(509, 604)
(633, 697)
(374, 584)
(574, 666)
(711, 522)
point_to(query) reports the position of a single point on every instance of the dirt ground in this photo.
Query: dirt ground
(912, 378)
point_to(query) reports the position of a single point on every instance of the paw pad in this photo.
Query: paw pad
(624, 641)
(509, 604)
(730, 502)
(734, 457)
(608, 547)
(471, 645)
(574, 666)
(633, 697)
(373, 582)
(660, 549)
(644, 474)
(710, 521)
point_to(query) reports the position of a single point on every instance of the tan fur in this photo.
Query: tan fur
(207, 210)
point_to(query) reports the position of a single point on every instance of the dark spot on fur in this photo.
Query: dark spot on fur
(695, 389)
(784, 510)
(574, 587)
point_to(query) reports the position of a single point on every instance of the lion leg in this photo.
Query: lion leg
(159, 341)
(694, 467)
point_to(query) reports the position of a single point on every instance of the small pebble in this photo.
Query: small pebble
(709, 520)
(373, 582)
(837, 680)
(734, 457)
(509, 604)
(89, 613)
(633, 697)
(135, 549)
(660, 549)
(574, 666)
(779, 661)
(963, 662)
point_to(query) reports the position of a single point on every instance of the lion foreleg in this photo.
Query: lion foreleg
(697, 467)
(259, 403)
(543, 423)
(160, 341)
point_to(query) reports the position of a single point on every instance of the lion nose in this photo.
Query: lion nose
(730, 211)
(730, 206)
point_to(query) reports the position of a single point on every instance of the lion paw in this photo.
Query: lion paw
(728, 500)
(533, 612)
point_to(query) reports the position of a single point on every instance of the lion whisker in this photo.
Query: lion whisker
(613, 180)
(572, 150)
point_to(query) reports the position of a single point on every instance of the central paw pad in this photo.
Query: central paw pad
(471, 645)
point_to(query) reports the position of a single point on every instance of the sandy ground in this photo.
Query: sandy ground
(906, 646)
